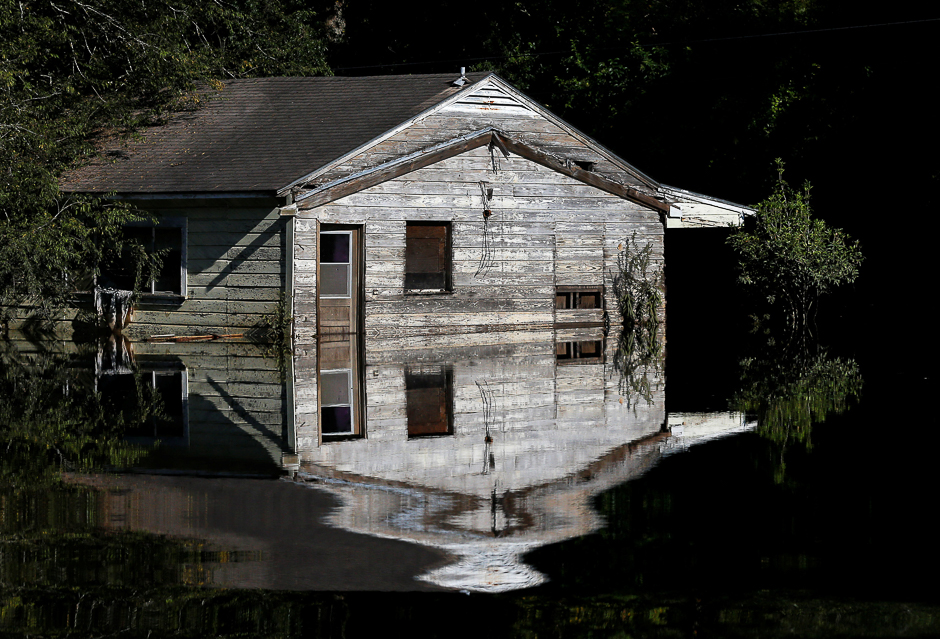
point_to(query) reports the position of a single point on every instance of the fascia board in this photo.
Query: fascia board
(574, 132)
(671, 191)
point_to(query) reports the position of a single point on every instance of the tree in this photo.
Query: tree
(73, 72)
(790, 258)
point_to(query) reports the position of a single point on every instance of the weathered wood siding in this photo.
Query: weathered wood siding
(238, 410)
(546, 230)
(235, 270)
(546, 421)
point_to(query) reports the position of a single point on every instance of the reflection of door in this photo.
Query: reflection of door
(339, 379)
(339, 279)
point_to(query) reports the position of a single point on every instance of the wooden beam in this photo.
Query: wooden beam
(572, 170)
(395, 168)
(376, 175)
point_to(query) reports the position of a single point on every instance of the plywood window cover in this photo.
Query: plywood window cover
(417, 244)
(429, 391)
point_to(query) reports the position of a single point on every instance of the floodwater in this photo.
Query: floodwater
(509, 483)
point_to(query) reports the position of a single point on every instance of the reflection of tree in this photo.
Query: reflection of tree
(791, 390)
(639, 360)
(53, 420)
(638, 291)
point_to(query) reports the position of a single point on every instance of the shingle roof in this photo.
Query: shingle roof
(257, 135)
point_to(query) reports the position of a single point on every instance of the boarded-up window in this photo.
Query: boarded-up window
(587, 352)
(428, 392)
(427, 256)
(572, 297)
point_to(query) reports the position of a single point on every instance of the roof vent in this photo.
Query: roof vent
(462, 80)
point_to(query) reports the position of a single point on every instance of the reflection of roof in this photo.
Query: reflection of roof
(487, 534)
(257, 135)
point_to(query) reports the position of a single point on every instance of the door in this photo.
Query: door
(339, 280)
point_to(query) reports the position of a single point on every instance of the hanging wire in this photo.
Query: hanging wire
(487, 396)
(486, 254)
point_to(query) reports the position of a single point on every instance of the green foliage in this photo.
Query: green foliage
(640, 361)
(638, 291)
(73, 73)
(790, 258)
(53, 420)
(583, 60)
(638, 287)
(276, 327)
(790, 390)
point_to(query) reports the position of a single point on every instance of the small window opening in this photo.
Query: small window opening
(169, 239)
(336, 264)
(154, 404)
(578, 298)
(428, 256)
(586, 352)
(429, 401)
(586, 165)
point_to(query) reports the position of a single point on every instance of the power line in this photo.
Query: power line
(777, 34)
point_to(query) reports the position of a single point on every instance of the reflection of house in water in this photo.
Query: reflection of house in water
(213, 406)
(479, 453)
(484, 452)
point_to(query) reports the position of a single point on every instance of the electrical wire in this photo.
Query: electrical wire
(776, 34)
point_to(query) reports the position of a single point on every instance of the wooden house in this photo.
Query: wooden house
(386, 206)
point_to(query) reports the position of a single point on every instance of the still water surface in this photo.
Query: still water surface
(554, 469)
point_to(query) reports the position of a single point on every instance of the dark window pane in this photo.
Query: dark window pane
(169, 386)
(168, 279)
(334, 248)
(336, 420)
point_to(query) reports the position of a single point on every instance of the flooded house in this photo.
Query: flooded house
(447, 249)
(385, 206)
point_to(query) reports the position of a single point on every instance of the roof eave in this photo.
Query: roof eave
(373, 175)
